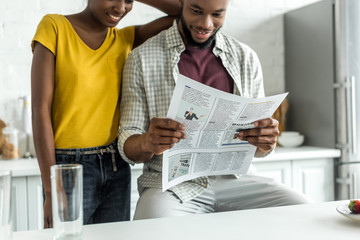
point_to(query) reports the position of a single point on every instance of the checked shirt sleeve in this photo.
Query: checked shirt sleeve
(133, 108)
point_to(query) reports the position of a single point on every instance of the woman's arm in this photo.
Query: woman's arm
(143, 32)
(42, 87)
(170, 7)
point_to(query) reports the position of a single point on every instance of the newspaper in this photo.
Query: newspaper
(213, 119)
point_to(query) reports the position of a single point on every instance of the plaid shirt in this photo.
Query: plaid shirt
(149, 78)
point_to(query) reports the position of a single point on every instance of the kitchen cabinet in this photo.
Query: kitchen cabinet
(19, 204)
(313, 177)
(27, 203)
(280, 171)
(35, 202)
(136, 171)
(307, 169)
(26, 195)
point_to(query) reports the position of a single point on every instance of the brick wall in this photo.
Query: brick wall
(258, 23)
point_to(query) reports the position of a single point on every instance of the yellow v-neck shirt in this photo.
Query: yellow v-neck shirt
(86, 103)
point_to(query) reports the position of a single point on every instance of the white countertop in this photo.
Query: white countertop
(303, 152)
(311, 221)
(298, 153)
(29, 167)
(21, 167)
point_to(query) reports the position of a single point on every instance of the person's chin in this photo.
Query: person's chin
(199, 42)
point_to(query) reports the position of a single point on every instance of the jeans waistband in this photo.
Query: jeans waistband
(110, 148)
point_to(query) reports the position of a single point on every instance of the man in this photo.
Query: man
(189, 115)
(195, 48)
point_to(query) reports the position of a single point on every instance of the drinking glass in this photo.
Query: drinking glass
(67, 201)
(5, 207)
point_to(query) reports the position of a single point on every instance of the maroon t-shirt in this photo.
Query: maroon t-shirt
(203, 66)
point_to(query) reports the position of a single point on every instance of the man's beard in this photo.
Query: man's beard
(191, 41)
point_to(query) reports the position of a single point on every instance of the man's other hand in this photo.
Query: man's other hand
(263, 136)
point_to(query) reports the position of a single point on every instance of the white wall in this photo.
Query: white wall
(258, 23)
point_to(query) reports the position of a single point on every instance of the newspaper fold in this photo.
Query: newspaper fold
(213, 119)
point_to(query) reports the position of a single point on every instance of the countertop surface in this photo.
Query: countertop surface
(303, 152)
(30, 167)
(21, 167)
(311, 221)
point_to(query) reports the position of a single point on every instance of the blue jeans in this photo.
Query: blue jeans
(106, 182)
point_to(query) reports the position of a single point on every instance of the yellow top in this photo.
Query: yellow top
(85, 108)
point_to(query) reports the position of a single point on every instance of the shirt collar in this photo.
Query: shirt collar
(174, 40)
(220, 45)
(173, 37)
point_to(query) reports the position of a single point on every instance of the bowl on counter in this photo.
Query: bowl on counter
(290, 139)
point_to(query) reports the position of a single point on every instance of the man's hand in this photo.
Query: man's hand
(163, 133)
(263, 136)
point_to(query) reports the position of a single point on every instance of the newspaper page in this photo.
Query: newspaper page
(212, 119)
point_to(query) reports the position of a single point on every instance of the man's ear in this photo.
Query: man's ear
(181, 2)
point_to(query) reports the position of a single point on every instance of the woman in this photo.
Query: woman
(75, 86)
